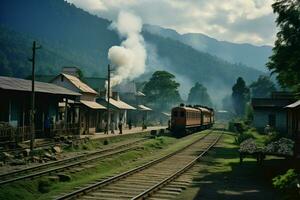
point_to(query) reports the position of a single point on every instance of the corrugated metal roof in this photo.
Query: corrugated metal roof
(294, 105)
(118, 104)
(92, 104)
(79, 84)
(9, 83)
(121, 104)
(166, 114)
(139, 93)
(144, 108)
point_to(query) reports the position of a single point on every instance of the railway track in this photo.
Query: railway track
(67, 164)
(143, 181)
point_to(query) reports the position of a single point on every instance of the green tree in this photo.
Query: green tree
(162, 91)
(240, 96)
(198, 95)
(285, 61)
(262, 88)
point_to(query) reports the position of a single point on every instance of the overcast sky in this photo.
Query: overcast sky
(242, 21)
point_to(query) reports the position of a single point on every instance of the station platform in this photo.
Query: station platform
(125, 132)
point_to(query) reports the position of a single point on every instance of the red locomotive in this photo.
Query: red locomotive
(188, 119)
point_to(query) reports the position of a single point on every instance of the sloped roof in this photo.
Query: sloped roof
(121, 104)
(144, 108)
(17, 84)
(166, 114)
(270, 103)
(118, 104)
(294, 105)
(79, 84)
(92, 104)
(139, 93)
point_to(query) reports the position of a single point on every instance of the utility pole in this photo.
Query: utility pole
(108, 97)
(32, 111)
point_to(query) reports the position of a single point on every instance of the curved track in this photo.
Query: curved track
(143, 181)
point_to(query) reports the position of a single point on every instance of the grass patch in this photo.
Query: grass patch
(221, 176)
(150, 150)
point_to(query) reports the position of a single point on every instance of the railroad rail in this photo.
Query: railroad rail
(66, 164)
(141, 181)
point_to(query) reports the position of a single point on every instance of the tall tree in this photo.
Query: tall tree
(162, 90)
(262, 87)
(285, 61)
(240, 96)
(198, 95)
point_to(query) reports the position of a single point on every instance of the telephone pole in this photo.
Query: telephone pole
(108, 97)
(32, 111)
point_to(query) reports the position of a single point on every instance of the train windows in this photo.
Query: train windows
(182, 114)
(175, 113)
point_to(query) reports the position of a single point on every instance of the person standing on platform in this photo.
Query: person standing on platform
(120, 126)
(112, 127)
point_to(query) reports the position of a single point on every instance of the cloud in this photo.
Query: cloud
(250, 21)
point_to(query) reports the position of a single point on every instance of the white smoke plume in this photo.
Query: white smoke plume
(128, 59)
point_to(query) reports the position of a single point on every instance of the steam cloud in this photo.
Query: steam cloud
(129, 58)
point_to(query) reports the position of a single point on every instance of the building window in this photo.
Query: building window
(62, 78)
(272, 120)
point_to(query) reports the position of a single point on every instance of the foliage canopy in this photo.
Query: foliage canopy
(198, 95)
(285, 61)
(162, 90)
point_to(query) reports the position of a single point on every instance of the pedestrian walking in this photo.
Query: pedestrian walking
(120, 126)
(112, 127)
(105, 125)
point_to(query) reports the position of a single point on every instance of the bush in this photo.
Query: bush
(44, 186)
(283, 146)
(248, 146)
(105, 142)
(242, 137)
(288, 183)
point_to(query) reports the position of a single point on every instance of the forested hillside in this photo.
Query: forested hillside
(71, 36)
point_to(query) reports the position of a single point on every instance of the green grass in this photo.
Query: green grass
(101, 143)
(150, 150)
(221, 176)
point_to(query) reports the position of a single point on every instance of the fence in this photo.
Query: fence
(19, 134)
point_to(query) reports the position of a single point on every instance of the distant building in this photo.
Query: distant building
(15, 104)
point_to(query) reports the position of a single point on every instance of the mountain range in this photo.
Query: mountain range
(71, 36)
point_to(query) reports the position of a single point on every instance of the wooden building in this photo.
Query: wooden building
(91, 113)
(118, 108)
(293, 124)
(15, 104)
(270, 111)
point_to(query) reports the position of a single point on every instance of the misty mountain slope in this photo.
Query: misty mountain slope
(71, 36)
(196, 66)
(250, 55)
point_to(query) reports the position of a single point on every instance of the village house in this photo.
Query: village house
(90, 113)
(293, 123)
(118, 108)
(15, 106)
(272, 111)
(128, 92)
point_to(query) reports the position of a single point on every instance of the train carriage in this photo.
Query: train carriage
(185, 120)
